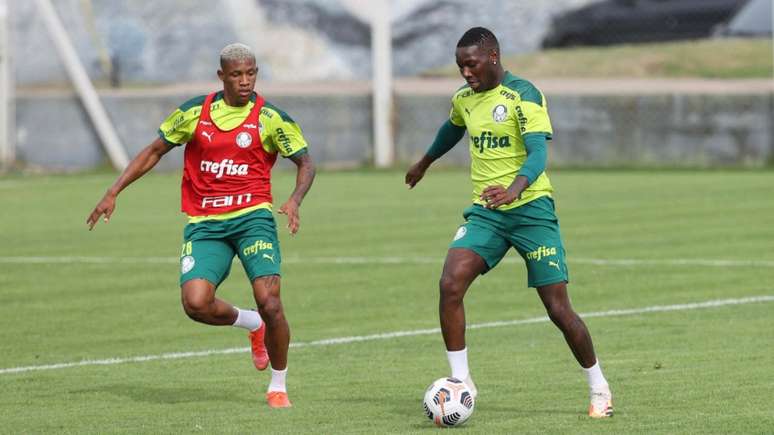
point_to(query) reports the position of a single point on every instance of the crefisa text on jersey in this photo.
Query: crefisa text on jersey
(487, 140)
(224, 167)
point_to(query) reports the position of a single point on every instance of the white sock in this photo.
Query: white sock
(278, 380)
(248, 319)
(595, 377)
(458, 361)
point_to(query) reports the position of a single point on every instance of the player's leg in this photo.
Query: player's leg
(267, 296)
(266, 290)
(259, 251)
(476, 248)
(536, 236)
(201, 305)
(205, 263)
(461, 267)
(560, 311)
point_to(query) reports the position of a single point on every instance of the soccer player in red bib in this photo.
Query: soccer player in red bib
(231, 138)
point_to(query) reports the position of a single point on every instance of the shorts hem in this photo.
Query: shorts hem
(199, 277)
(261, 275)
(483, 257)
(547, 282)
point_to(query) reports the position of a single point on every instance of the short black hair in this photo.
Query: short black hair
(480, 36)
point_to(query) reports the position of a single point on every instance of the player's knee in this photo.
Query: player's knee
(270, 308)
(193, 313)
(196, 307)
(452, 290)
(560, 314)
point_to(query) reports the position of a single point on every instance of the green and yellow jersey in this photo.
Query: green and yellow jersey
(279, 133)
(497, 122)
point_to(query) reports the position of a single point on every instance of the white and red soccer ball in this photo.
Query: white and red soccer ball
(448, 402)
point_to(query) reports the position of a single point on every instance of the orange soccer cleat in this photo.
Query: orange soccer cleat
(260, 356)
(278, 399)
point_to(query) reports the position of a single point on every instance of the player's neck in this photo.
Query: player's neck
(500, 75)
(234, 101)
(497, 79)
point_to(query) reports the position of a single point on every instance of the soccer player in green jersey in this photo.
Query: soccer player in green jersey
(507, 120)
(231, 139)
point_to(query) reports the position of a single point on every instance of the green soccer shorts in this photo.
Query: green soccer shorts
(532, 229)
(209, 247)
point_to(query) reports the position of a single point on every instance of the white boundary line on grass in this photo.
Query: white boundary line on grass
(390, 335)
(393, 260)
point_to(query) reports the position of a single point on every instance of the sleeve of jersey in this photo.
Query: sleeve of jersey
(535, 164)
(454, 115)
(281, 134)
(179, 127)
(448, 136)
(533, 118)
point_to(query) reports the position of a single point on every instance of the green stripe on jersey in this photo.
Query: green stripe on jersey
(526, 90)
(285, 117)
(193, 102)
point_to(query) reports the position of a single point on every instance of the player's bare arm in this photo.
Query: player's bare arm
(141, 164)
(448, 135)
(497, 195)
(304, 178)
(417, 171)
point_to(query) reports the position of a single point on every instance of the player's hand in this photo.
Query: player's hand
(104, 208)
(290, 208)
(497, 195)
(415, 173)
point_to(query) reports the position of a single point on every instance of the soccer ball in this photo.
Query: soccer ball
(448, 402)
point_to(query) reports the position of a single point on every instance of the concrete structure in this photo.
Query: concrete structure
(163, 44)
(606, 123)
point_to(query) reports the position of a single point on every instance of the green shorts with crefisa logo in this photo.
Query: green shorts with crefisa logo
(532, 229)
(209, 247)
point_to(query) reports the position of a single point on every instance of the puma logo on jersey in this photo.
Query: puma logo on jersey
(554, 264)
(253, 126)
(522, 119)
(270, 257)
(208, 135)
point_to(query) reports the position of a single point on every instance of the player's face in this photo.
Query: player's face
(238, 78)
(477, 67)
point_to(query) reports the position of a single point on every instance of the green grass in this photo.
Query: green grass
(694, 371)
(706, 58)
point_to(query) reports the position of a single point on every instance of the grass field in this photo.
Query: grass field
(722, 58)
(366, 262)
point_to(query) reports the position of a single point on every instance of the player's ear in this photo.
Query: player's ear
(221, 74)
